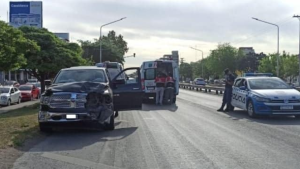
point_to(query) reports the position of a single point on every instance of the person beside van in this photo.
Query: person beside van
(160, 81)
(169, 90)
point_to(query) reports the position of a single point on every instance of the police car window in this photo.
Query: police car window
(113, 72)
(237, 82)
(260, 84)
(241, 83)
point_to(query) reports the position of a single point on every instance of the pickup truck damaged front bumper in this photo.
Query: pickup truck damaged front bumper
(45, 116)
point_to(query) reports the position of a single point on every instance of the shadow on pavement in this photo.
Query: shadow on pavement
(71, 139)
(271, 120)
(151, 107)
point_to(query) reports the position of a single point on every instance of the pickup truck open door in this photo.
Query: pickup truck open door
(127, 90)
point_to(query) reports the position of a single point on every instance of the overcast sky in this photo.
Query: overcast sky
(156, 27)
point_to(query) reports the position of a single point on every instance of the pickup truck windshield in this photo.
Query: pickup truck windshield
(89, 75)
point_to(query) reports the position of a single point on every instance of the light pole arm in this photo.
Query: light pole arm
(112, 22)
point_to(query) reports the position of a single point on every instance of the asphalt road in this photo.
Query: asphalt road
(189, 135)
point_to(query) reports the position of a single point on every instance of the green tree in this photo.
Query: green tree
(223, 57)
(197, 69)
(13, 45)
(186, 71)
(54, 54)
(113, 48)
(249, 62)
(268, 64)
(291, 67)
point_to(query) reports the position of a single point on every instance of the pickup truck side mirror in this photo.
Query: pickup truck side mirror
(48, 82)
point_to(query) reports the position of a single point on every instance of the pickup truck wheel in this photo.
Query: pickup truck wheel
(116, 114)
(174, 100)
(44, 129)
(111, 124)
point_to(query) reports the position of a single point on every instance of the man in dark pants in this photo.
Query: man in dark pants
(229, 79)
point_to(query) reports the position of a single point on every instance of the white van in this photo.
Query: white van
(148, 74)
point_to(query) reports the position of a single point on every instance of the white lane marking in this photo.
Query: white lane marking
(77, 161)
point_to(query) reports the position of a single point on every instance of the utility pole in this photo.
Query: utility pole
(201, 59)
(297, 16)
(277, 69)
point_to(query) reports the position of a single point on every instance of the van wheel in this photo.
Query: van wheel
(251, 110)
(111, 124)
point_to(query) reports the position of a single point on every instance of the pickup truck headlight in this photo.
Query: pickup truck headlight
(261, 99)
(45, 100)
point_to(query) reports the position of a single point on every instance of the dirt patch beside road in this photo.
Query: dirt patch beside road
(18, 133)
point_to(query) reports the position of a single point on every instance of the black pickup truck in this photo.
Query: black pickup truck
(87, 94)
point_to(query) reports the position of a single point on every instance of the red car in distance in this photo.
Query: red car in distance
(29, 92)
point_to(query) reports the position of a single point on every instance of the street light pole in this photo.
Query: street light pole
(297, 16)
(100, 41)
(277, 70)
(201, 60)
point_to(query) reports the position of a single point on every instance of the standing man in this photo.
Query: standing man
(229, 79)
(160, 81)
(169, 88)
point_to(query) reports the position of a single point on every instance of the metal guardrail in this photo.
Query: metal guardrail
(206, 88)
(218, 90)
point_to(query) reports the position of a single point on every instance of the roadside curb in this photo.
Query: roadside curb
(4, 110)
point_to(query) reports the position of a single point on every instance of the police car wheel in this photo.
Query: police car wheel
(250, 110)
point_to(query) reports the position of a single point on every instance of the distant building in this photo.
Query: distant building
(63, 36)
(246, 50)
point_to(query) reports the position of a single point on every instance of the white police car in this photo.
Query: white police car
(265, 96)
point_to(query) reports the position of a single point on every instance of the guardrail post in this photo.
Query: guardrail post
(205, 90)
(221, 92)
(217, 92)
(197, 89)
(200, 89)
(209, 90)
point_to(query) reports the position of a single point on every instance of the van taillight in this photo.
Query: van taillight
(143, 84)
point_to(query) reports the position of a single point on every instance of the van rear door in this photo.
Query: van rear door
(149, 72)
